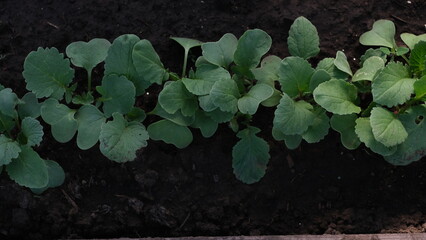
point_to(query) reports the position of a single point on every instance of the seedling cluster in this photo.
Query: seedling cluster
(230, 81)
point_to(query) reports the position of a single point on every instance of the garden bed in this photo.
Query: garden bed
(316, 189)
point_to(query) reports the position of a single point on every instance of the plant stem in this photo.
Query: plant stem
(185, 60)
(89, 81)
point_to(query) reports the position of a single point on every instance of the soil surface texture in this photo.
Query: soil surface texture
(316, 189)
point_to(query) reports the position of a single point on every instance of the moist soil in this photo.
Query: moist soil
(316, 189)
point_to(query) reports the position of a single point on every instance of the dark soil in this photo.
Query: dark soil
(319, 188)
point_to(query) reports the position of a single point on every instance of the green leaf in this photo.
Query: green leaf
(205, 77)
(177, 117)
(176, 97)
(411, 39)
(249, 103)
(219, 116)
(268, 71)
(90, 121)
(6, 123)
(372, 52)
(225, 94)
(341, 62)
(382, 34)
(8, 101)
(292, 117)
(148, 63)
(317, 78)
(327, 64)
(118, 94)
(273, 100)
(47, 73)
(187, 43)
(420, 88)
(418, 58)
(29, 106)
(83, 99)
(303, 39)
(252, 45)
(401, 51)
(120, 62)
(136, 114)
(319, 128)
(28, 170)
(365, 133)
(9, 150)
(295, 74)
(370, 68)
(337, 96)
(206, 124)
(393, 85)
(56, 176)
(250, 156)
(345, 125)
(414, 147)
(171, 133)
(386, 127)
(61, 118)
(32, 130)
(221, 53)
(119, 139)
(88, 54)
(206, 103)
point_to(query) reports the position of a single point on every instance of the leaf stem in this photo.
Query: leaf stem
(185, 62)
(89, 81)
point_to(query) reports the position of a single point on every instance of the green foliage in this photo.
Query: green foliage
(303, 39)
(382, 34)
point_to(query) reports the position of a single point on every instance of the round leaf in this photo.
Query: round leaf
(225, 94)
(8, 101)
(88, 54)
(32, 130)
(365, 133)
(175, 96)
(61, 118)
(252, 45)
(249, 103)
(294, 75)
(386, 127)
(170, 133)
(319, 128)
(56, 176)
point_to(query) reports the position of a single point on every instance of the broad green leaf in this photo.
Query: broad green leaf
(292, 117)
(219, 116)
(119, 139)
(118, 95)
(292, 141)
(120, 62)
(136, 114)
(177, 117)
(252, 45)
(28, 170)
(187, 43)
(8, 101)
(206, 103)
(345, 125)
(317, 78)
(418, 59)
(249, 103)
(420, 88)
(341, 62)
(303, 39)
(337, 96)
(88, 54)
(221, 53)
(273, 100)
(225, 95)
(370, 68)
(205, 123)
(294, 76)
(327, 64)
(401, 51)
(148, 63)
(393, 85)
(90, 121)
(250, 156)
(9, 150)
(32, 130)
(56, 176)
(414, 147)
(365, 133)
(205, 77)
(6, 123)
(61, 118)
(171, 133)
(29, 106)
(47, 73)
(319, 128)
(268, 71)
(386, 127)
(382, 34)
(372, 52)
(83, 99)
(176, 97)
(411, 39)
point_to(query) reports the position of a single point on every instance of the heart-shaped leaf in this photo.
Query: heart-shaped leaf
(170, 132)
(221, 53)
(88, 54)
(411, 39)
(370, 68)
(382, 34)
(61, 118)
(249, 103)
(345, 125)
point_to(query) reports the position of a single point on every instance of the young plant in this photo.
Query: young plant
(223, 88)
(20, 132)
(107, 116)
